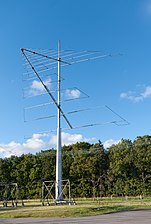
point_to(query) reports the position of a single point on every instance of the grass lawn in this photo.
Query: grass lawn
(87, 207)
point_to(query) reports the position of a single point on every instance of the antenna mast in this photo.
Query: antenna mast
(58, 195)
(39, 64)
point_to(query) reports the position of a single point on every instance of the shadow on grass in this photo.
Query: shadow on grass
(103, 210)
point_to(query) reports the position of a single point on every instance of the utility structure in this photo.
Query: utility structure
(9, 193)
(46, 61)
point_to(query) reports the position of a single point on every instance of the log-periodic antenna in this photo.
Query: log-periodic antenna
(39, 63)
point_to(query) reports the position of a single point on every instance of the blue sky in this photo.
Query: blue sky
(121, 82)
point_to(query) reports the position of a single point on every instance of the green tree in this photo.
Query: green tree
(87, 170)
(142, 155)
(121, 168)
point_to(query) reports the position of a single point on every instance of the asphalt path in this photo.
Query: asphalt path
(128, 217)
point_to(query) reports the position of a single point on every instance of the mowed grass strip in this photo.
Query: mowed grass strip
(60, 211)
(83, 208)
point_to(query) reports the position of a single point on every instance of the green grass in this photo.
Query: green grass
(83, 208)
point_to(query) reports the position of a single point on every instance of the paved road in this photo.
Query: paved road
(127, 217)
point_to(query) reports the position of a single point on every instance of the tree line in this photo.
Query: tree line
(122, 169)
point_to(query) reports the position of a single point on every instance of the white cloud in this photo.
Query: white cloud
(37, 143)
(37, 88)
(108, 143)
(40, 142)
(147, 92)
(72, 93)
(68, 139)
(34, 144)
(11, 148)
(137, 97)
